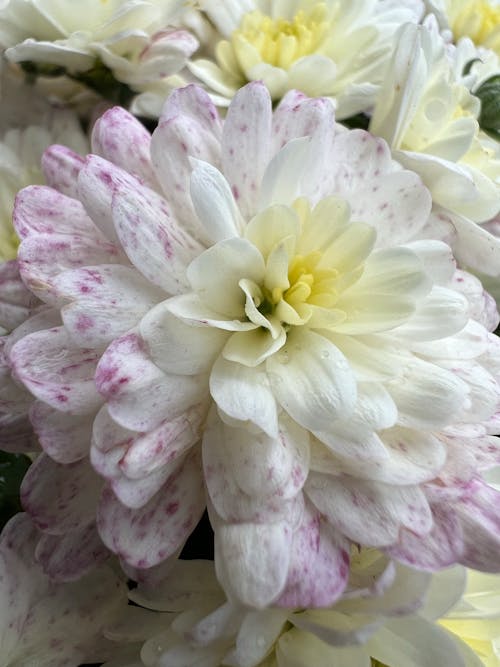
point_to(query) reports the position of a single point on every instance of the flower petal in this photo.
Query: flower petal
(133, 154)
(252, 560)
(245, 143)
(312, 380)
(57, 371)
(244, 394)
(64, 437)
(145, 537)
(152, 238)
(177, 347)
(61, 167)
(139, 395)
(319, 565)
(60, 498)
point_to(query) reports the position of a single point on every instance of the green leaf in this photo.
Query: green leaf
(489, 94)
(12, 470)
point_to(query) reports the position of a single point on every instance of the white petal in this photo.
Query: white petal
(312, 380)
(245, 143)
(244, 394)
(177, 347)
(214, 202)
(251, 561)
(216, 273)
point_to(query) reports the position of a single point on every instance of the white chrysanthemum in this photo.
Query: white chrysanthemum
(28, 126)
(477, 19)
(136, 39)
(430, 120)
(335, 49)
(268, 289)
(376, 621)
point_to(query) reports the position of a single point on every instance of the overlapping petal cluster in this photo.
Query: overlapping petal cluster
(44, 623)
(430, 118)
(141, 42)
(365, 628)
(257, 307)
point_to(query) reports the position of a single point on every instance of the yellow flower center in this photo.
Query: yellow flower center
(280, 42)
(477, 19)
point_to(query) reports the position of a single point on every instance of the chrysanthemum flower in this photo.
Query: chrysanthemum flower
(135, 40)
(267, 286)
(430, 119)
(28, 125)
(477, 19)
(336, 49)
(376, 621)
(476, 619)
(43, 623)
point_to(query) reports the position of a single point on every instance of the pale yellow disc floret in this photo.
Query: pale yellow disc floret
(274, 41)
(477, 19)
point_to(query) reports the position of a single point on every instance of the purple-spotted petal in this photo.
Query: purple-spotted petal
(57, 371)
(60, 498)
(146, 536)
(139, 395)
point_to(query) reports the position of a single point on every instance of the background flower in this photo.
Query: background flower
(320, 48)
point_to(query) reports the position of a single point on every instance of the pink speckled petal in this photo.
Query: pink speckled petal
(150, 451)
(61, 167)
(139, 395)
(64, 437)
(319, 565)
(111, 444)
(69, 556)
(152, 238)
(443, 546)
(96, 182)
(17, 544)
(251, 476)
(144, 537)
(55, 625)
(56, 371)
(60, 498)
(189, 127)
(252, 561)
(133, 154)
(395, 202)
(369, 513)
(16, 302)
(404, 457)
(246, 144)
(42, 210)
(105, 302)
(478, 513)
(298, 116)
(43, 257)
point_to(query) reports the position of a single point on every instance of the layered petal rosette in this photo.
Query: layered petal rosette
(335, 49)
(430, 118)
(380, 621)
(269, 287)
